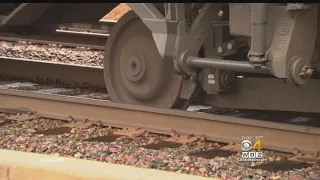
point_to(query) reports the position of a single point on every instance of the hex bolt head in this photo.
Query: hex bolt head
(220, 50)
(309, 71)
(230, 46)
(305, 71)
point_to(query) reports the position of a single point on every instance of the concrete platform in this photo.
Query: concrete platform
(29, 166)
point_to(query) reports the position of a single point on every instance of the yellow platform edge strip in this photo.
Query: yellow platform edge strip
(16, 165)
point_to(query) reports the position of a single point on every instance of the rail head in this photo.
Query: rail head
(215, 127)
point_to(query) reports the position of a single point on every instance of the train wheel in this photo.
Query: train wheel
(133, 69)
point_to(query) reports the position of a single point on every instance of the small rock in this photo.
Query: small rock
(202, 170)
(221, 158)
(30, 149)
(186, 158)
(276, 177)
(213, 162)
(270, 159)
(78, 155)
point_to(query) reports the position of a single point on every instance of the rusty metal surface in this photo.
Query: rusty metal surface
(277, 136)
(182, 139)
(80, 125)
(22, 117)
(131, 132)
(66, 73)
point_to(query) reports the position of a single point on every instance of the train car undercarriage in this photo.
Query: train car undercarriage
(251, 56)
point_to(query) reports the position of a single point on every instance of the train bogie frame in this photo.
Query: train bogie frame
(233, 55)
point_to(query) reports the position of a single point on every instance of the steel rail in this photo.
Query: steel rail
(65, 73)
(107, 21)
(103, 35)
(90, 35)
(227, 129)
(103, 26)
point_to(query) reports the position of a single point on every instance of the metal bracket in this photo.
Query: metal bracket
(187, 89)
(155, 21)
(21, 117)
(80, 125)
(192, 39)
(295, 35)
(182, 139)
(130, 132)
(216, 81)
(171, 34)
(305, 158)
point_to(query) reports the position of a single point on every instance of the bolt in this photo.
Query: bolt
(85, 120)
(230, 46)
(220, 50)
(70, 118)
(173, 133)
(305, 71)
(295, 151)
(309, 71)
(316, 154)
(137, 129)
(203, 137)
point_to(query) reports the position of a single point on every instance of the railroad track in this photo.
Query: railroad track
(219, 136)
(65, 103)
(52, 71)
(92, 36)
(207, 136)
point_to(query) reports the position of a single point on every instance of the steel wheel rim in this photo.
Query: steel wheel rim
(133, 70)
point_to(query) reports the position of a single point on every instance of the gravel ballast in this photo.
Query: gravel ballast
(19, 136)
(52, 53)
